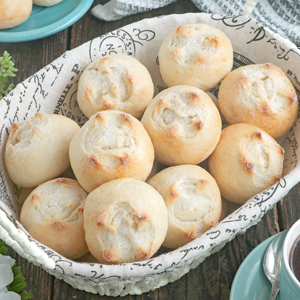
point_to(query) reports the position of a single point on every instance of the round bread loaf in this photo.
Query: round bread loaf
(111, 145)
(38, 150)
(14, 12)
(125, 220)
(184, 125)
(196, 54)
(46, 2)
(193, 201)
(53, 215)
(261, 95)
(245, 162)
(118, 82)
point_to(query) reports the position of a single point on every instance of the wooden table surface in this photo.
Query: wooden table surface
(210, 280)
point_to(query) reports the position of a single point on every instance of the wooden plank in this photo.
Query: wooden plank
(30, 57)
(289, 208)
(213, 278)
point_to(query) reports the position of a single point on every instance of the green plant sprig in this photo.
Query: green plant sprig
(6, 70)
(19, 281)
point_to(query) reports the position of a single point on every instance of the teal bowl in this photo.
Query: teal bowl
(250, 282)
(45, 21)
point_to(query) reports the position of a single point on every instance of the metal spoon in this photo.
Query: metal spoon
(271, 263)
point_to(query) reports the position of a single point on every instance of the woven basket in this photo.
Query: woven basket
(53, 90)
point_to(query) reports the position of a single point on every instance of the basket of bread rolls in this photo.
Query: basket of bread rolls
(119, 160)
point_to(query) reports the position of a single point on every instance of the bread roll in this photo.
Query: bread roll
(193, 201)
(125, 220)
(196, 54)
(37, 150)
(111, 145)
(118, 82)
(261, 95)
(14, 12)
(184, 125)
(245, 162)
(53, 215)
(46, 2)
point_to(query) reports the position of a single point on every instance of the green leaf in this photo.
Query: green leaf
(18, 284)
(3, 250)
(7, 69)
(26, 296)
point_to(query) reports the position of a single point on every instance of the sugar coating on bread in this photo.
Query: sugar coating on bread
(125, 220)
(195, 54)
(37, 150)
(245, 162)
(53, 215)
(261, 95)
(117, 82)
(184, 125)
(112, 144)
(193, 201)
(14, 14)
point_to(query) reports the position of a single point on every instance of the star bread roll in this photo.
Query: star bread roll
(193, 201)
(118, 82)
(260, 95)
(184, 125)
(38, 150)
(111, 145)
(195, 54)
(125, 220)
(245, 162)
(53, 215)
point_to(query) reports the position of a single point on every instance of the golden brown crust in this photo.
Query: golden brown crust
(53, 215)
(38, 150)
(245, 162)
(125, 220)
(14, 13)
(193, 201)
(184, 125)
(195, 54)
(260, 95)
(111, 145)
(118, 82)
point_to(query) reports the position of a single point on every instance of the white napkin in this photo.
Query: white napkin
(117, 9)
(281, 16)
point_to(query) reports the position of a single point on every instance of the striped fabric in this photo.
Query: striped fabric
(281, 16)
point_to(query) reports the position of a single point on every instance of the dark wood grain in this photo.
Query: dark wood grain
(30, 57)
(289, 208)
(210, 280)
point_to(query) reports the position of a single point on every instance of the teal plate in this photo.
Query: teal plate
(250, 282)
(45, 21)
